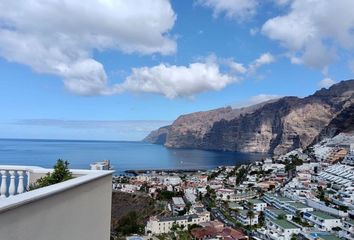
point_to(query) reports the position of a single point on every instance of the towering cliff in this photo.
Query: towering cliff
(274, 127)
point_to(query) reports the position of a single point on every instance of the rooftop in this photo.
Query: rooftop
(322, 215)
(328, 237)
(255, 201)
(176, 218)
(284, 224)
(277, 211)
(234, 205)
(178, 201)
(298, 205)
(350, 221)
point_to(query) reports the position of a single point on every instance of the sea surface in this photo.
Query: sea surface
(122, 155)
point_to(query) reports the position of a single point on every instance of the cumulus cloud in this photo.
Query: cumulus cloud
(264, 59)
(59, 37)
(177, 81)
(313, 30)
(174, 81)
(326, 83)
(233, 9)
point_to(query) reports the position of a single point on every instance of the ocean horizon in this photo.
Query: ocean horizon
(123, 155)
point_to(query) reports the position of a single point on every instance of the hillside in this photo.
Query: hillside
(274, 127)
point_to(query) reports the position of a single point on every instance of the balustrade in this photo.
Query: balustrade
(13, 182)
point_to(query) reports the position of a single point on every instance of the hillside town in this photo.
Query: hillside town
(299, 195)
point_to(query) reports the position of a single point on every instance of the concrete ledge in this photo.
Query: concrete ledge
(31, 196)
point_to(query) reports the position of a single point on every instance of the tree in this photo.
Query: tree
(60, 173)
(293, 237)
(261, 218)
(240, 174)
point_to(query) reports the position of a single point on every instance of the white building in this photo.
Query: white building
(277, 201)
(190, 195)
(281, 229)
(245, 220)
(178, 204)
(340, 174)
(103, 165)
(274, 214)
(297, 207)
(158, 225)
(257, 205)
(225, 194)
(322, 221)
(349, 159)
(79, 208)
(347, 231)
(171, 180)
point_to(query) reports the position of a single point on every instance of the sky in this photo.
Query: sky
(117, 69)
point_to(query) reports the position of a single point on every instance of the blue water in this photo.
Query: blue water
(123, 155)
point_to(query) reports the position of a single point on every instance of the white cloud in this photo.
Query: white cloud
(256, 100)
(235, 67)
(313, 29)
(177, 81)
(264, 59)
(174, 81)
(59, 37)
(233, 9)
(326, 83)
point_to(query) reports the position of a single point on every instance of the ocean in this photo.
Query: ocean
(122, 155)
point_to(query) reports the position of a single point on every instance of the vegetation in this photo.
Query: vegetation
(61, 173)
(241, 173)
(165, 195)
(292, 162)
(132, 209)
(129, 224)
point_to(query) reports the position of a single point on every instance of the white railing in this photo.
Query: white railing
(14, 179)
(24, 214)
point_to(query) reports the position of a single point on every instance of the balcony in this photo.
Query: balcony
(79, 208)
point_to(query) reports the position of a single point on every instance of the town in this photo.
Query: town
(300, 195)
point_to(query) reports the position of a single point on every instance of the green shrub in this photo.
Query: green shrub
(61, 173)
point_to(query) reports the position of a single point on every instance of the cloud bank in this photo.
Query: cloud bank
(313, 30)
(58, 37)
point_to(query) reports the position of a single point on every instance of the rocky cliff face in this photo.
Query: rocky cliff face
(158, 136)
(273, 127)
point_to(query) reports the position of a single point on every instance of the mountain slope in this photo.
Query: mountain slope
(274, 127)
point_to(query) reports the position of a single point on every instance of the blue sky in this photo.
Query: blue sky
(115, 70)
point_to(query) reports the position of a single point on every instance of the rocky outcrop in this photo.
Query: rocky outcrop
(158, 136)
(273, 127)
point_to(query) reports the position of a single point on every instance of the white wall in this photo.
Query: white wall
(79, 213)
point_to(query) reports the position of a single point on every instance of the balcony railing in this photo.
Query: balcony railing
(87, 198)
(16, 179)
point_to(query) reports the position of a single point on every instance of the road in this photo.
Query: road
(217, 214)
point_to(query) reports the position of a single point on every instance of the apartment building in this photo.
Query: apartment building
(322, 220)
(158, 225)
